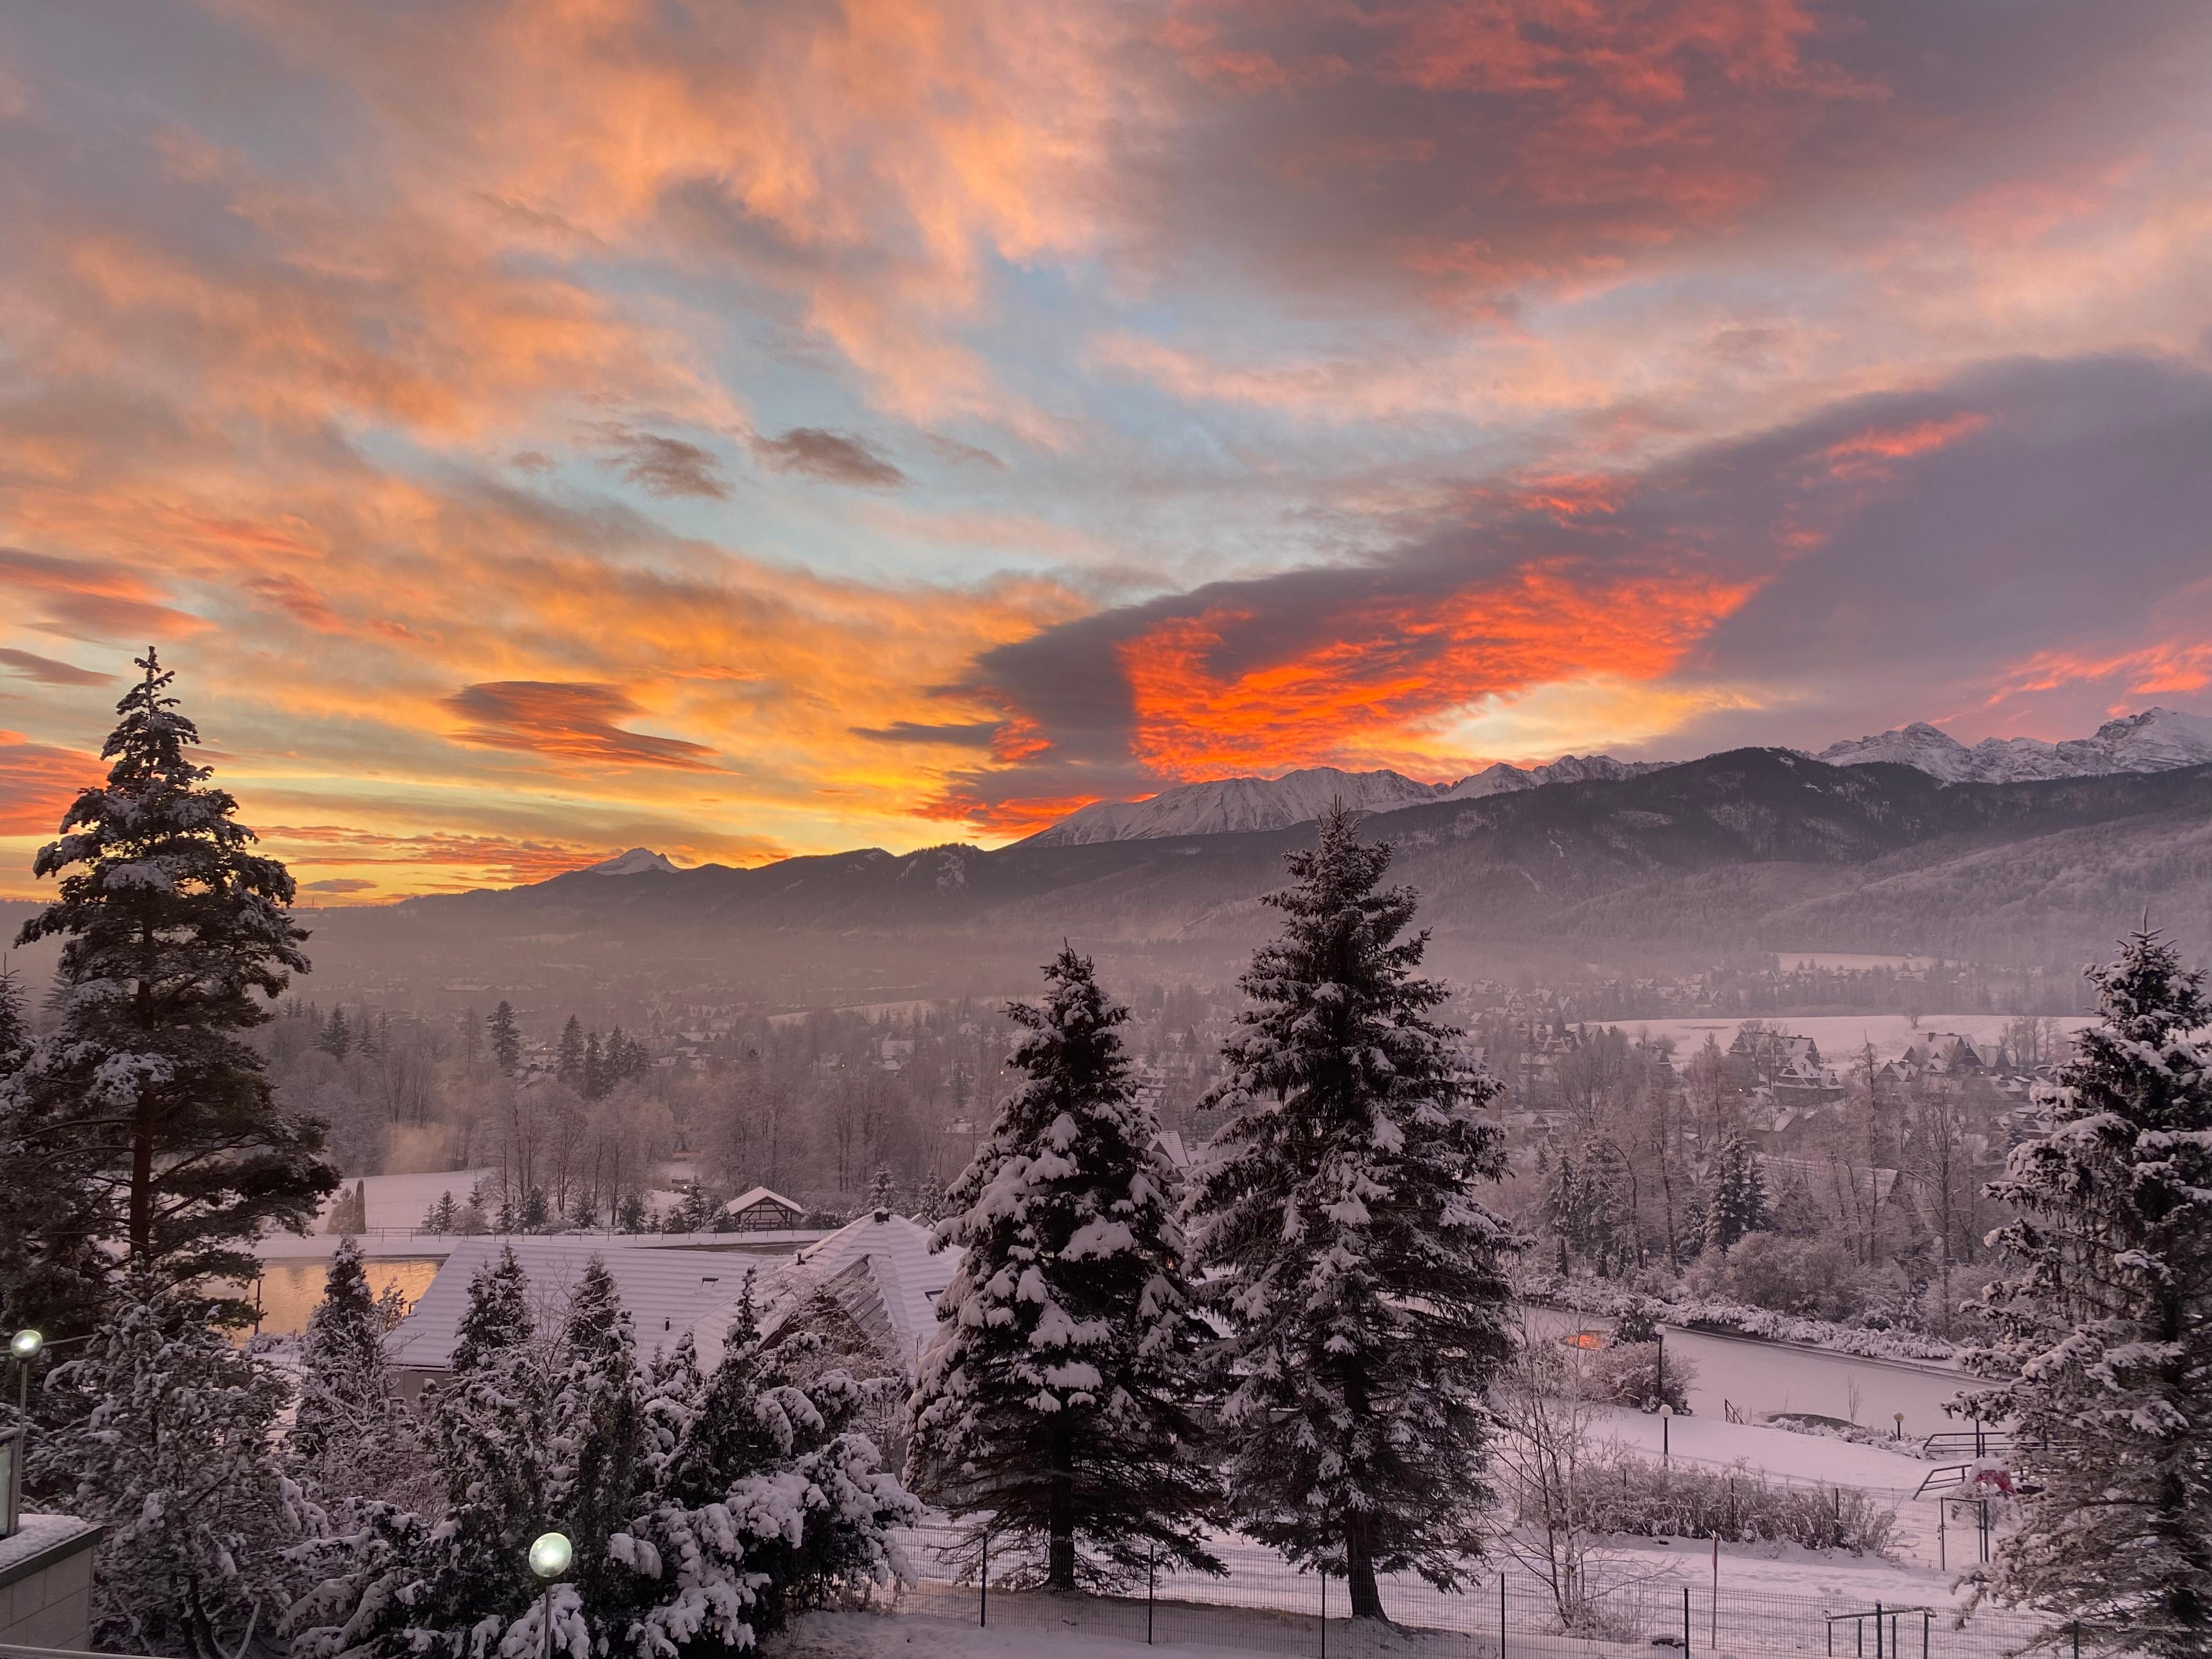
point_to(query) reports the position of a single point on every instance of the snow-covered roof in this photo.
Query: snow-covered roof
(665, 1290)
(881, 1271)
(747, 1199)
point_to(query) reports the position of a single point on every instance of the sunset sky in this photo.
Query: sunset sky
(535, 429)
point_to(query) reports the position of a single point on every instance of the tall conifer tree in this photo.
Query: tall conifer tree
(344, 1383)
(1736, 1195)
(1340, 1237)
(2105, 1320)
(1052, 1402)
(147, 1103)
(506, 1040)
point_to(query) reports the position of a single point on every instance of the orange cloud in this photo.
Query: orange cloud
(38, 782)
(1864, 454)
(490, 858)
(2169, 668)
(870, 159)
(1393, 669)
(1011, 819)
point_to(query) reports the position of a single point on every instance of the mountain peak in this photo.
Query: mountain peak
(638, 861)
(2156, 740)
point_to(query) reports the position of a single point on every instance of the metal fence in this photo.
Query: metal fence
(1266, 1605)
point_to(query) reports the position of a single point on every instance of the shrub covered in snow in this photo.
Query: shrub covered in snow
(1697, 1313)
(1625, 1494)
(704, 1510)
(1808, 1278)
(1641, 1375)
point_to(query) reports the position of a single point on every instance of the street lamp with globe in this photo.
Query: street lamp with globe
(551, 1552)
(22, 1348)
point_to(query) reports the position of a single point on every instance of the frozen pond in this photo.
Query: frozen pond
(1759, 1377)
(290, 1289)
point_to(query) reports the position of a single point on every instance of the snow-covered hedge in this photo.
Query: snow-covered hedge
(1737, 1319)
(1625, 1495)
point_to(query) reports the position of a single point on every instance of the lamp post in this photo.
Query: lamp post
(23, 1347)
(549, 1556)
(1666, 1434)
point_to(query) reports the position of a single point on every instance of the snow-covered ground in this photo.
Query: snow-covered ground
(402, 1200)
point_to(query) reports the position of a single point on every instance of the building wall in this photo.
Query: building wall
(46, 1597)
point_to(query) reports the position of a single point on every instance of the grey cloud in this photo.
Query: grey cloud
(46, 672)
(838, 457)
(662, 465)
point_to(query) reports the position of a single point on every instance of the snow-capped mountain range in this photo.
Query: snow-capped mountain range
(2156, 740)
(1231, 805)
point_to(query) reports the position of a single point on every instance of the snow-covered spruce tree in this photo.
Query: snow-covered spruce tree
(1736, 1195)
(1337, 1223)
(769, 1502)
(1052, 1407)
(171, 1444)
(506, 1040)
(15, 1026)
(345, 1397)
(146, 1101)
(2105, 1321)
(393, 1583)
(599, 1438)
(497, 1319)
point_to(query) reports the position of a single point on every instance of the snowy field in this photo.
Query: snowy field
(1841, 1037)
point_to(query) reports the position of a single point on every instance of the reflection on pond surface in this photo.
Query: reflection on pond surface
(290, 1289)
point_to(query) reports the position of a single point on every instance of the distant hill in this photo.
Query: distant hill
(1756, 849)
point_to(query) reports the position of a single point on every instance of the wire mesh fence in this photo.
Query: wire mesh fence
(1264, 1604)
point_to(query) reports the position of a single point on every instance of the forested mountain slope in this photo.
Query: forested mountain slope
(1751, 848)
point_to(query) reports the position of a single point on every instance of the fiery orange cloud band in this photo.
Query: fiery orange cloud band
(1396, 667)
(38, 782)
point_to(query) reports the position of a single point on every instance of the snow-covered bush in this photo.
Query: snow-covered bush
(1811, 1277)
(703, 1510)
(1735, 1318)
(1622, 1493)
(1641, 1375)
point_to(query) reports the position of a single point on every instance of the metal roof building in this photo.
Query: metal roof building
(665, 1290)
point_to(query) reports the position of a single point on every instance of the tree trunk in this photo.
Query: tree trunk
(1059, 1519)
(1359, 1569)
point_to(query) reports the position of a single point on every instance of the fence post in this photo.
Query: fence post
(1501, 1615)
(1324, 1613)
(1877, 1631)
(983, 1581)
(2077, 1639)
(1686, 1621)
(1151, 1574)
